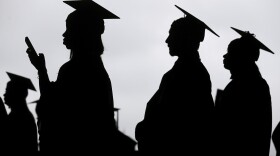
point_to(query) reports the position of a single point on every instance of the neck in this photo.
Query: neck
(19, 106)
(83, 54)
(245, 71)
(190, 55)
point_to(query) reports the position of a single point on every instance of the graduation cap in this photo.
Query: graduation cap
(22, 82)
(196, 20)
(255, 41)
(34, 102)
(89, 5)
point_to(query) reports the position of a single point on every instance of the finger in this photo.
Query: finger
(42, 56)
(28, 50)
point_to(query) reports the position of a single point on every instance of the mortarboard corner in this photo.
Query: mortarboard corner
(254, 39)
(196, 19)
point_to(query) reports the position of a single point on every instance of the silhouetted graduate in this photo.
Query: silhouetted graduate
(177, 118)
(244, 112)
(76, 111)
(21, 129)
(276, 139)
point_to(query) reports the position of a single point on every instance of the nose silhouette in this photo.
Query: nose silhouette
(225, 56)
(64, 34)
(167, 39)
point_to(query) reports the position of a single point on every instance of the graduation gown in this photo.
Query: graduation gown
(76, 111)
(244, 116)
(177, 118)
(21, 135)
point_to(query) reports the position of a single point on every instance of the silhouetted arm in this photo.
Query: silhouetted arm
(44, 81)
(38, 61)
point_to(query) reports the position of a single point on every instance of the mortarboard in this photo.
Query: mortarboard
(21, 81)
(34, 102)
(193, 18)
(253, 39)
(89, 5)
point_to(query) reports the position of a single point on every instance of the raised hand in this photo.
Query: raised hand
(38, 61)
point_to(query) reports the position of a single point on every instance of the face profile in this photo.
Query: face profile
(9, 94)
(67, 40)
(175, 42)
(226, 61)
(231, 58)
(181, 38)
(68, 37)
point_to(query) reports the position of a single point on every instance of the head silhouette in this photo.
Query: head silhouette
(84, 27)
(83, 31)
(14, 95)
(186, 34)
(243, 51)
(17, 91)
